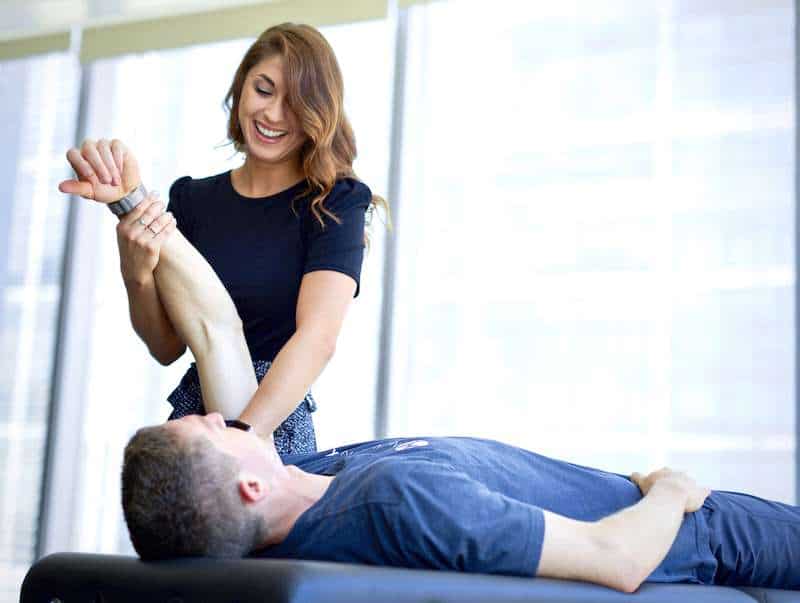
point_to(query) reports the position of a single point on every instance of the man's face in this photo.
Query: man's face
(252, 453)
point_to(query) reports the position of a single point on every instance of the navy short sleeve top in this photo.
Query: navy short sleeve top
(261, 247)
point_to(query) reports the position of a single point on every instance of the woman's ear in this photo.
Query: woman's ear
(251, 487)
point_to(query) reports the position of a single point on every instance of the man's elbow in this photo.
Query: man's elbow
(620, 569)
(630, 584)
(167, 357)
(628, 575)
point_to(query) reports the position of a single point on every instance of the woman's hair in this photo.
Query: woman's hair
(181, 498)
(315, 92)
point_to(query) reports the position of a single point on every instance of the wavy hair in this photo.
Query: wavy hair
(315, 92)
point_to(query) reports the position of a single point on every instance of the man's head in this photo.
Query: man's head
(194, 487)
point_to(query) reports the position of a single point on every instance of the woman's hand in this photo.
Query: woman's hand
(666, 477)
(140, 235)
(107, 171)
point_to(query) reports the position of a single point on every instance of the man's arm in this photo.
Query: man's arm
(196, 302)
(204, 316)
(620, 551)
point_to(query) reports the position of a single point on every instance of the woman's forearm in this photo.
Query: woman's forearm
(151, 323)
(295, 368)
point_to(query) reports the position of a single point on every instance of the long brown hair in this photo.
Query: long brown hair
(316, 96)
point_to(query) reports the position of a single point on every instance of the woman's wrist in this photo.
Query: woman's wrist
(267, 436)
(255, 426)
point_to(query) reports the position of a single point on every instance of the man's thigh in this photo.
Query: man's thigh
(756, 541)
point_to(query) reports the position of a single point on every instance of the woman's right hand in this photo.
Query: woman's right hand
(140, 235)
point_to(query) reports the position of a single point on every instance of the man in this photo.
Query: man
(205, 486)
(198, 487)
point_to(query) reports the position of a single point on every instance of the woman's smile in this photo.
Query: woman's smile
(268, 135)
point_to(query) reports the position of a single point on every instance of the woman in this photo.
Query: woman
(284, 231)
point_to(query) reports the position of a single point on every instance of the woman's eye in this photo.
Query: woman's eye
(263, 92)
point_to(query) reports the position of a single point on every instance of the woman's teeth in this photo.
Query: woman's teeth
(269, 133)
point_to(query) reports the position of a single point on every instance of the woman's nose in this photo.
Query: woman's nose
(274, 114)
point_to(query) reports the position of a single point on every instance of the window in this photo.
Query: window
(595, 247)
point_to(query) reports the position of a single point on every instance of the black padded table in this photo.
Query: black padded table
(87, 578)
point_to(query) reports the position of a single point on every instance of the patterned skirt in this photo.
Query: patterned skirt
(294, 436)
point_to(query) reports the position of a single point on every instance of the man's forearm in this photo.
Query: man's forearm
(641, 535)
(186, 281)
(203, 314)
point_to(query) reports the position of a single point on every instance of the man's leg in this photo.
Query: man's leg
(204, 316)
(756, 541)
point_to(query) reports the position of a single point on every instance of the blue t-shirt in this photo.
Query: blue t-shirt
(462, 504)
(260, 248)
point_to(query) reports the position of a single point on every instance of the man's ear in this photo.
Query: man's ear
(251, 487)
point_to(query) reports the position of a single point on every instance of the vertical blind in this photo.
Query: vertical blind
(38, 108)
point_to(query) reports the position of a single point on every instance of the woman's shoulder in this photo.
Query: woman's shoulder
(347, 193)
(350, 186)
(186, 187)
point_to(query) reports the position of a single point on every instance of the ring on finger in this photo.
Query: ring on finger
(142, 222)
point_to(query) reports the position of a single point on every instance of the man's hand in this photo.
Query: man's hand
(666, 477)
(106, 171)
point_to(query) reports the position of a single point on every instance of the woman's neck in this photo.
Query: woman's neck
(256, 179)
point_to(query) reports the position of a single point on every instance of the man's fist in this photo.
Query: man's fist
(666, 477)
(106, 171)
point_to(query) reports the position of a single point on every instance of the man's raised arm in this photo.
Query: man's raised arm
(195, 300)
(620, 551)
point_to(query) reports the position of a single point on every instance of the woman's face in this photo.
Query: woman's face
(271, 131)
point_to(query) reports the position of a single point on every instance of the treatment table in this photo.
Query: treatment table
(88, 578)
